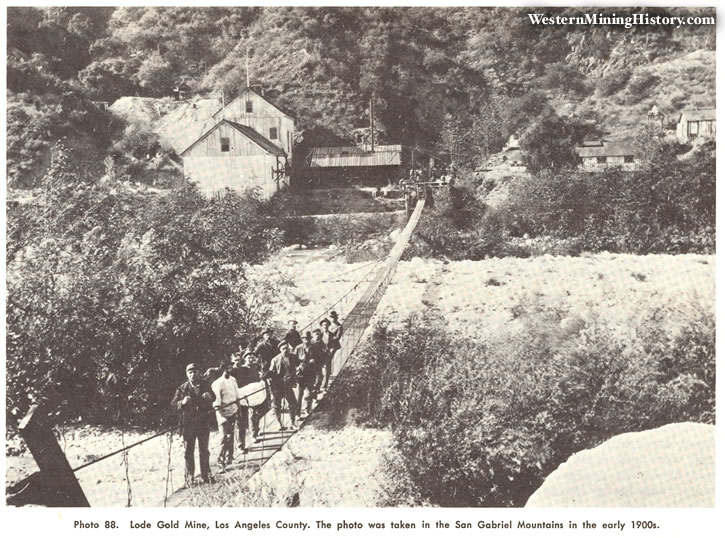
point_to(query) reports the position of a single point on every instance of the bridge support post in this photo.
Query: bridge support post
(55, 484)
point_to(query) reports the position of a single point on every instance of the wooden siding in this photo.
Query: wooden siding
(263, 117)
(591, 163)
(239, 145)
(215, 173)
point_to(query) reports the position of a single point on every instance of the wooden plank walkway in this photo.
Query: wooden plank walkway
(356, 322)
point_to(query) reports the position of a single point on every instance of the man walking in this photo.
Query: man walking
(193, 400)
(225, 392)
(293, 337)
(245, 373)
(307, 360)
(336, 332)
(319, 351)
(327, 339)
(266, 350)
(282, 379)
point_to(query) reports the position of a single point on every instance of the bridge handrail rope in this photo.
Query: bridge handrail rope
(207, 413)
(355, 324)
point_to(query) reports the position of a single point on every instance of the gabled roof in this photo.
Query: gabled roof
(331, 157)
(619, 148)
(284, 112)
(704, 114)
(592, 143)
(250, 133)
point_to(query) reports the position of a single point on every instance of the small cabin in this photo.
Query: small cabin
(181, 91)
(514, 142)
(235, 156)
(695, 124)
(599, 155)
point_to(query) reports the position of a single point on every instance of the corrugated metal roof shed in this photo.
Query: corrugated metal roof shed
(334, 157)
(620, 148)
(704, 114)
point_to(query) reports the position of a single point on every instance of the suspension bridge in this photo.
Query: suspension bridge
(56, 483)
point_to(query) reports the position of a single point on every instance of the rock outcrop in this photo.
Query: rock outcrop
(671, 466)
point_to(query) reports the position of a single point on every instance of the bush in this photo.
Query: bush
(483, 425)
(640, 84)
(566, 79)
(110, 294)
(613, 83)
(667, 206)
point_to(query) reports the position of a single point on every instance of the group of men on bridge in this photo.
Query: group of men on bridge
(296, 367)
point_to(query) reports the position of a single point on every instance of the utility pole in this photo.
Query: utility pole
(372, 124)
(247, 61)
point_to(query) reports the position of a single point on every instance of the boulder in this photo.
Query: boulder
(668, 467)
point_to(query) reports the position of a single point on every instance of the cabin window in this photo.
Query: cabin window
(693, 128)
(249, 107)
(273, 133)
(629, 159)
(225, 144)
(601, 160)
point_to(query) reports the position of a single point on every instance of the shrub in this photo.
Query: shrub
(667, 206)
(483, 425)
(640, 84)
(613, 82)
(110, 294)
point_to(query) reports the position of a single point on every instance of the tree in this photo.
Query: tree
(156, 75)
(548, 144)
(109, 79)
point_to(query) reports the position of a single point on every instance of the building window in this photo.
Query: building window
(273, 133)
(225, 144)
(629, 159)
(601, 160)
(693, 128)
(249, 107)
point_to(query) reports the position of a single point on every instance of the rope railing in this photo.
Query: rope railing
(356, 320)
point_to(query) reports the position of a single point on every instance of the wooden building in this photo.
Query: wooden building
(235, 156)
(181, 91)
(250, 146)
(254, 110)
(359, 165)
(696, 123)
(599, 155)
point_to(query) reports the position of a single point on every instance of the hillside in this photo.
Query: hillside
(673, 84)
(436, 74)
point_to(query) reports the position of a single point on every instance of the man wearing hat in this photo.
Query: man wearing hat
(193, 400)
(245, 372)
(266, 350)
(293, 337)
(336, 332)
(282, 379)
(307, 366)
(327, 341)
(319, 351)
(227, 409)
